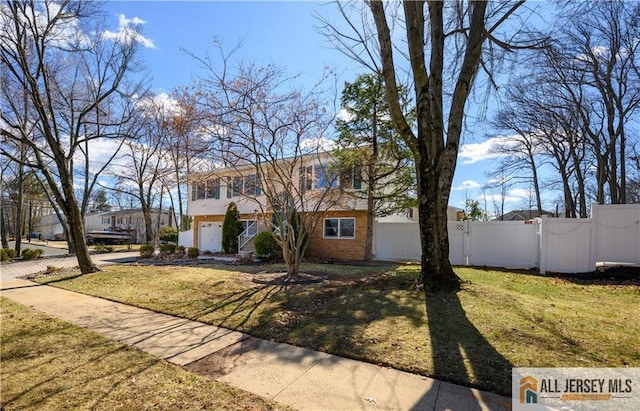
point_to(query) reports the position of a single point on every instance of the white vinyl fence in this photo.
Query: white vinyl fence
(185, 238)
(612, 235)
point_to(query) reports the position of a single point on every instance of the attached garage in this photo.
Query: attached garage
(210, 236)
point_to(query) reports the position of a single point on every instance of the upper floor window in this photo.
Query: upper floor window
(351, 177)
(201, 191)
(237, 186)
(213, 188)
(251, 185)
(246, 185)
(205, 189)
(305, 178)
(326, 176)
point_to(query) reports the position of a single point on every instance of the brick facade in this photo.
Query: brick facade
(319, 247)
(336, 248)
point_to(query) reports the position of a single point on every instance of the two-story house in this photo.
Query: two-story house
(341, 226)
(340, 232)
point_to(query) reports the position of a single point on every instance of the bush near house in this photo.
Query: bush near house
(167, 248)
(231, 229)
(169, 234)
(30, 254)
(11, 253)
(179, 251)
(193, 252)
(4, 256)
(266, 246)
(147, 250)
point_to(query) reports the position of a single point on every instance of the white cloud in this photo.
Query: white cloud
(344, 115)
(515, 195)
(162, 101)
(468, 185)
(128, 32)
(65, 32)
(317, 144)
(474, 152)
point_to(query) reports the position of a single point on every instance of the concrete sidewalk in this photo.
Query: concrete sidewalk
(301, 378)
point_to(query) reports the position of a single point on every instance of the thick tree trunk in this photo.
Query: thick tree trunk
(437, 272)
(76, 230)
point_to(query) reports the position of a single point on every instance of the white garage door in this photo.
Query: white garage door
(210, 237)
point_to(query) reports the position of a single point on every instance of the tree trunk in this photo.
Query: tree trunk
(76, 229)
(3, 228)
(368, 246)
(437, 272)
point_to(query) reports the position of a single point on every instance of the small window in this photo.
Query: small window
(351, 177)
(340, 228)
(306, 178)
(325, 177)
(237, 186)
(251, 185)
(201, 191)
(213, 188)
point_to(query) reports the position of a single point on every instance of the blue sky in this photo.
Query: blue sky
(281, 33)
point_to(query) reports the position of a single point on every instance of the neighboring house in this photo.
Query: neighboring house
(48, 227)
(340, 234)
(128, 220)
(521, 215)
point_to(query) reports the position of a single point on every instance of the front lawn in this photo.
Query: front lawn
(373, 313)
(48, 364)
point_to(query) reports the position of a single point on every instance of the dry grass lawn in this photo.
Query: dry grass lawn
(498, 321)
(48, 364)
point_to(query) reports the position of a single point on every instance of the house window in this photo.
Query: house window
(237, 186)
(306, 178)
(340, 227)
(325, 177)
(106, 220)
(351, 177)
(194, 191)
(201, 191)
(213, 188)
(251, 185)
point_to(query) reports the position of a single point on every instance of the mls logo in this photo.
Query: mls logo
(528, 390)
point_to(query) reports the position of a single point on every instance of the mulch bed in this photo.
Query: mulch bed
(618, 275)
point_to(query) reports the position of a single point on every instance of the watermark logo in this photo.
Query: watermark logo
(575, 389)
(528, 390)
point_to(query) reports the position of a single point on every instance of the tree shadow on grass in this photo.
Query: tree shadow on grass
(460, 352)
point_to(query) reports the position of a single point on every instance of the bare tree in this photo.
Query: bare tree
(146, 166)
(190, 143)
(69, 79)
(520, 153)
(273, 132)
(444, 45)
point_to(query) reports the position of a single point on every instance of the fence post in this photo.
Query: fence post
(466, 241)
(595, 222)
(542, 263)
